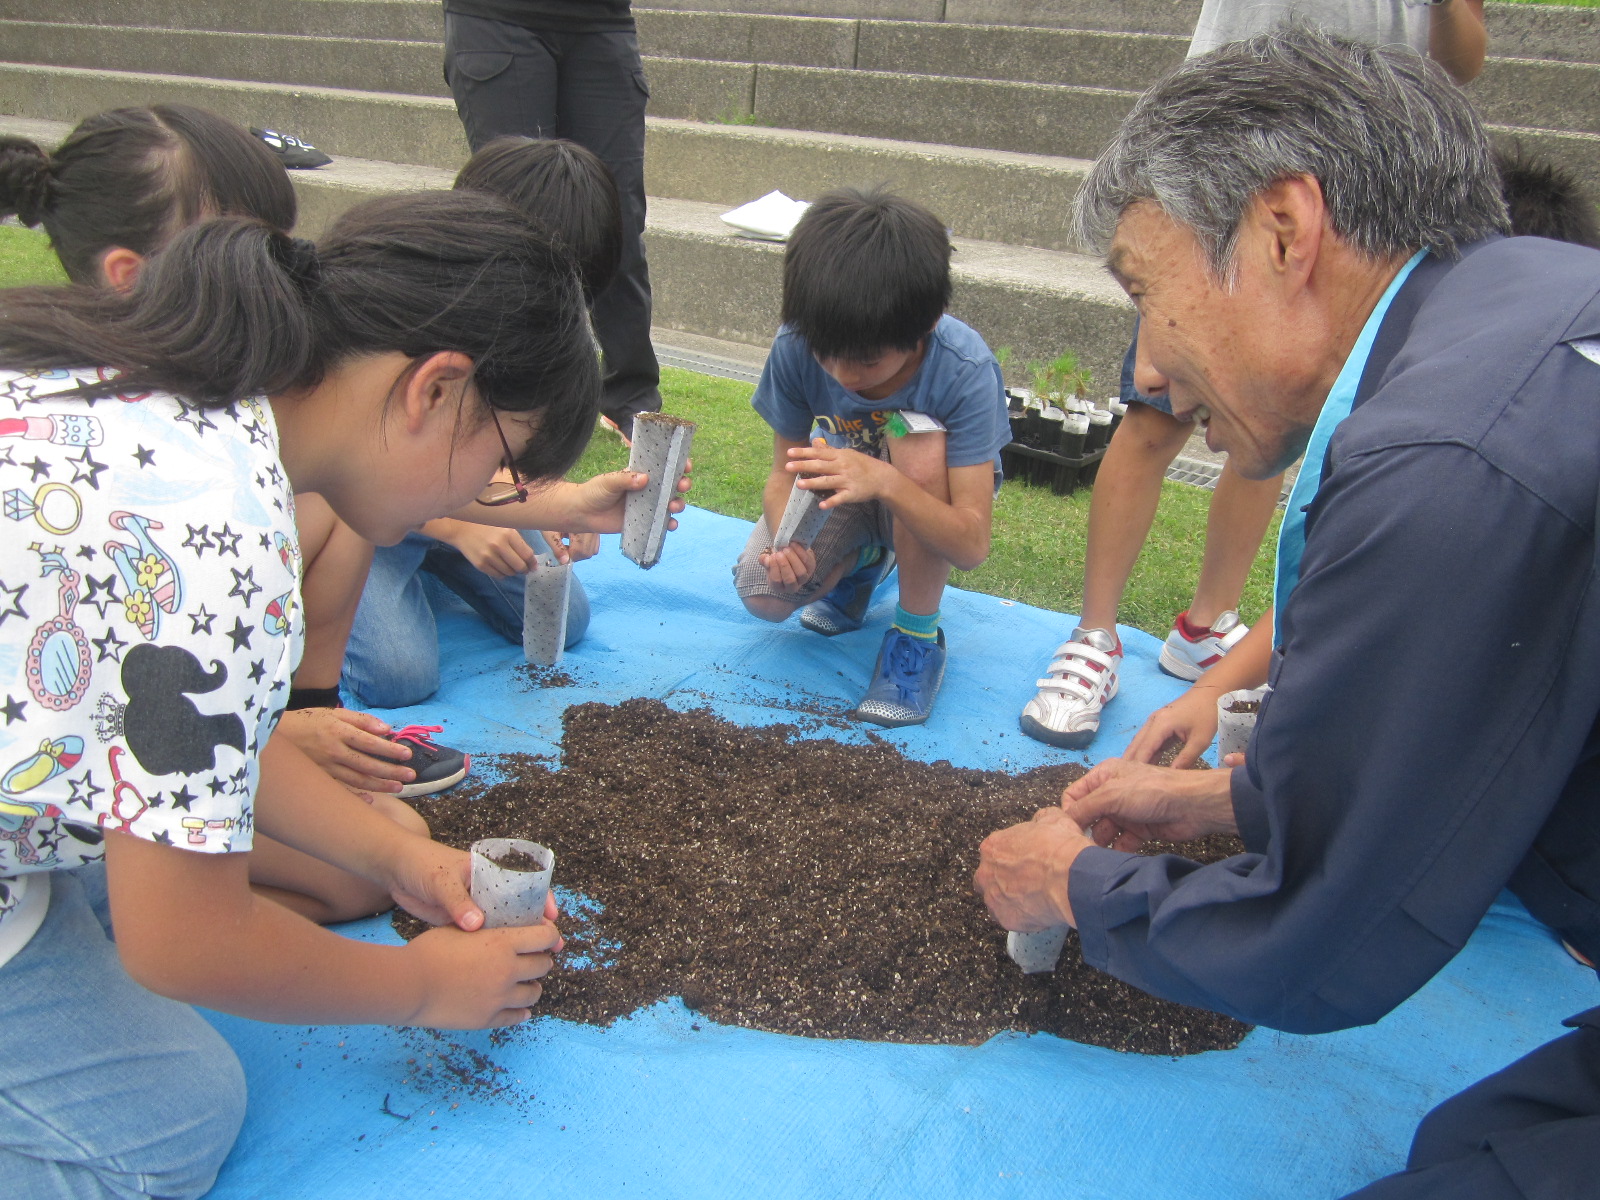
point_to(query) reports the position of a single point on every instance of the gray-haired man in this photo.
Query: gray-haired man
(1311, 228)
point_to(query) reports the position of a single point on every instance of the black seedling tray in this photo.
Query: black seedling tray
(1044, 468)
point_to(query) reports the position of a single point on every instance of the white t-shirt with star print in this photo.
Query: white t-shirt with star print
(149, 625)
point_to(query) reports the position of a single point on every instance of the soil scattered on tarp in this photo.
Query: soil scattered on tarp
(799, 886)
(543, 677)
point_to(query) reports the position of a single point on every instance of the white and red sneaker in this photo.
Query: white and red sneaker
(1191, 649)
(1080, 680)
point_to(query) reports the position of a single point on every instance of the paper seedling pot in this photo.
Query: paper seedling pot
(802, 519)
(1234, 729)
(545, 595)
(1038, 952)
(660, 450)
(507, 896)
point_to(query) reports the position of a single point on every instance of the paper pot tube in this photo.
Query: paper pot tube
(660, 449)
(1234, 729)
(1038, 952)
(546, 590)
(507, 896)
(802, 519)
(1099, 429)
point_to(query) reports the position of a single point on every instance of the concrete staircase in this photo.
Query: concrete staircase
(986, 110)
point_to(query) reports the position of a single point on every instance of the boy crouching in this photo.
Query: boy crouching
(910, 414)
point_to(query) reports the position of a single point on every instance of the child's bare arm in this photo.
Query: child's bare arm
(948, 509)
(189, 927)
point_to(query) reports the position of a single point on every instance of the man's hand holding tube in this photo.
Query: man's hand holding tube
(1023, 871)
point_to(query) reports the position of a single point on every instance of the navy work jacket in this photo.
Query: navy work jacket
(1431, 737)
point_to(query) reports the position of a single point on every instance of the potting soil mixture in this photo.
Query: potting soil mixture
(798, 886)
(516, 860)
(1245, 706)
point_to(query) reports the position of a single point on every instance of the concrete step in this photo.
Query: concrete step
(1559, 32)
(903, 74)
(1011, 53)
(1028, 118)
(709, 282)
(983, 194)
(990, 195)
(397, 20)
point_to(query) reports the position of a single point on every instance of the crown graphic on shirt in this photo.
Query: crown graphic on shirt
(108, 718)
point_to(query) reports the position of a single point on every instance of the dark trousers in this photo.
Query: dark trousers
(1529, 1132)
(588, 88)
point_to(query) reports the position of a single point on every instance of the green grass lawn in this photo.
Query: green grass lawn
(26, 257)
(1037, 554)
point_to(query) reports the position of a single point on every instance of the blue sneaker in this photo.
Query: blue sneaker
(843, 609)
(905, 681)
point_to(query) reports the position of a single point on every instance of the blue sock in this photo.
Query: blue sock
(926, 628)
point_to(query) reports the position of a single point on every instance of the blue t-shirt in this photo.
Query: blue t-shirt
(958, 382)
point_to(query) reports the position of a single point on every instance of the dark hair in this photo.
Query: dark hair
(866, 271)
(1546, 200)
(565, 190)
(134, 177)
(232, 308)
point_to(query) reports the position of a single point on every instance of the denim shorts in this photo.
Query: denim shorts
(1131, 394)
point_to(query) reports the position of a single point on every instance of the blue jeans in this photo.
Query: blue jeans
(109, 1089)
(1130, 393)
(392, 657)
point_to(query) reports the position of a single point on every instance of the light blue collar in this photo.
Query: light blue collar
(1292, 535)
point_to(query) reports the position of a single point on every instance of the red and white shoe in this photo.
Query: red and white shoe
(1191, 649)
(1080, 680)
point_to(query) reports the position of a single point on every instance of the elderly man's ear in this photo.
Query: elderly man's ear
(1290, 218)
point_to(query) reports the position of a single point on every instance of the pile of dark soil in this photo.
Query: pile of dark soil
(799, 886)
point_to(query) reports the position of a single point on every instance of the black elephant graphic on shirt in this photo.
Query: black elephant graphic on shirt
(164, 729)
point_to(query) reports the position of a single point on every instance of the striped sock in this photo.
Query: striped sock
(926, 628)
(868, 556)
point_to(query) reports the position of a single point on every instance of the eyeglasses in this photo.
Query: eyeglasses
(515, 492)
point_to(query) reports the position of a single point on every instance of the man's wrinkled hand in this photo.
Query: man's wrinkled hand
(1124, 804)
(1022, 871)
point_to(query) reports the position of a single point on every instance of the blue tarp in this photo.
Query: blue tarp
(668, 1104)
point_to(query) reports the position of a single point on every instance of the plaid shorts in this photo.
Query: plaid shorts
(847, 529)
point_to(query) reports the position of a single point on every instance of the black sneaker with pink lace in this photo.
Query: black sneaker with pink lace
(437, 767)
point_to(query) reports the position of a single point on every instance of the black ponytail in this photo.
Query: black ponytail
(24, 180)
(232, 308)
(133, 177)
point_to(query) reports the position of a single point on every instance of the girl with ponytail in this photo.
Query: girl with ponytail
(151, 442)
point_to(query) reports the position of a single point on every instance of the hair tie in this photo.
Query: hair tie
(298, 257)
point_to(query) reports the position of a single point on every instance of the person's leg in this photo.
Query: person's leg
(1122, 506)
(314, 889)
(837, 547)
(601, 103)
(112, 1090)
(1530, 1130)
(392, 656)
(503, 78)
(500, 601)
(923, 572)
(909, 669)
(334, 563)
(1241, 510)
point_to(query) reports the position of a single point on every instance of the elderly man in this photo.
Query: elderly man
(1311, 232)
